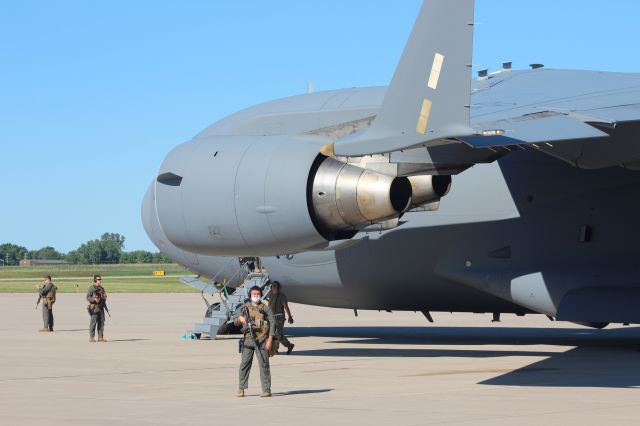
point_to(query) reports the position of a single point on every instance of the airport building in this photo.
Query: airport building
(37, 262)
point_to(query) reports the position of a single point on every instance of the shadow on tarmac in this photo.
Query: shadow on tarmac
(301, 392)
(596, 358)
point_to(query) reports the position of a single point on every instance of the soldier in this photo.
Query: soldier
(48, 293)
(279, 304)
(258, 339)
(97, 298)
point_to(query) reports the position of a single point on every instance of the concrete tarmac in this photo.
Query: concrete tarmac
(378, 368)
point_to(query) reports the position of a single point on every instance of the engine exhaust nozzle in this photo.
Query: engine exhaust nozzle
(346, 198)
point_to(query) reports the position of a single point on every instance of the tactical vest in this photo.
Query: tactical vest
(259, 320)
(96, 308)
(50, 298)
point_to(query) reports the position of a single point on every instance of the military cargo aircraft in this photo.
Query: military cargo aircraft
(510, 192)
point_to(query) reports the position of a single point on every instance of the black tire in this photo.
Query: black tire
(229, 328)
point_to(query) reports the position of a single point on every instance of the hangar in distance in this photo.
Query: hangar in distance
(513, 191)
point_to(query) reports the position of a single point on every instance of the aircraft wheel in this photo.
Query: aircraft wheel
(229, 328)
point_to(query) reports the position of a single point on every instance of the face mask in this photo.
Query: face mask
(255, 299)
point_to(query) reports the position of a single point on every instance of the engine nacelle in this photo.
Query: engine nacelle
(346, 198)
(261, 196)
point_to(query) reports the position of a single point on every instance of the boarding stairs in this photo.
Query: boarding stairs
(218, 318)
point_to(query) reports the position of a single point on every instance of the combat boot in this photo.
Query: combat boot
(101, 339)
(265, 394)
(240, 393)
(290, 348)
(91, 339)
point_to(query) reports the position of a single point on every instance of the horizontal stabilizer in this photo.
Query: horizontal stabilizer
(429, 95)
(548, 128)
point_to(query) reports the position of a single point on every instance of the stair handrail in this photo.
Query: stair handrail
(214, 280)
(224, 290)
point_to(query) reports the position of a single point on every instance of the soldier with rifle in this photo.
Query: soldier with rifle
(97, 298)
(48, 293)
(258, 325)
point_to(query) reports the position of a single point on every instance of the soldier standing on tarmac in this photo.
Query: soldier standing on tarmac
(279, 304)
(258, 339)
(48, 293)
(97, 298)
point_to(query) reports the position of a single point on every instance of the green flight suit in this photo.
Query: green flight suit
(262, 317)
(276, 303)
(96, 310)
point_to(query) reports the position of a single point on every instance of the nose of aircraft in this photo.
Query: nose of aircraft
(224, 267)
(148, 209)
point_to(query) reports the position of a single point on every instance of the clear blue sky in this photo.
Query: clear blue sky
(94, 94)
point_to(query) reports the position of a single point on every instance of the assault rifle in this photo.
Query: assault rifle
(102, 295)
(252, 332)
(39, 295)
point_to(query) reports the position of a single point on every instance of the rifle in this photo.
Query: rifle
(103, 299)
(39, 296)
(252, 332)
(106, 309)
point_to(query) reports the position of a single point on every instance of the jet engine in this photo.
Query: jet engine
(267, 195)
(428, 189)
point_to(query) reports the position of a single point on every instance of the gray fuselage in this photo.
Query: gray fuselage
(514, 235)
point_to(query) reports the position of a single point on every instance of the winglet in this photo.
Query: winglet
(429, 95)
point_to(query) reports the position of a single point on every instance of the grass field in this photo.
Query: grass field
(126, 278)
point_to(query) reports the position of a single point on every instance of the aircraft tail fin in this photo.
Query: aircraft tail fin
(429, 95)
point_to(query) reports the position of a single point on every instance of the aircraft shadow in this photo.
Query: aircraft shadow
(416, 353)
(598, 358)
(615, 367)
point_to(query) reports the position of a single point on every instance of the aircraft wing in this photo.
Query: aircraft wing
(545, 127)
(588, 119)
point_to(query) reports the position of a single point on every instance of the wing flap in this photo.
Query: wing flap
(529, 130)
(615, 114)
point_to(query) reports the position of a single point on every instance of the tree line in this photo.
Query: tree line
(109, 248)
